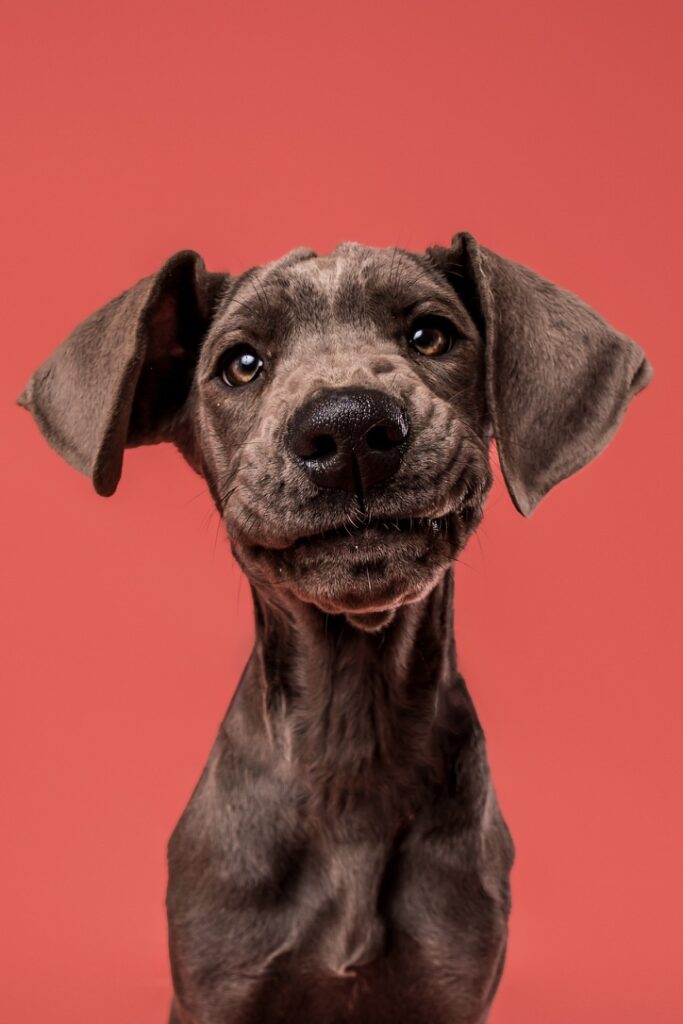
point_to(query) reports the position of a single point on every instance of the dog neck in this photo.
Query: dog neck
(359, 717)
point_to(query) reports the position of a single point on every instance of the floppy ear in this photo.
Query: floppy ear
(122, 374)
(558, 377)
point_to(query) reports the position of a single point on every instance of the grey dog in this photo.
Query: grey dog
(343, 857)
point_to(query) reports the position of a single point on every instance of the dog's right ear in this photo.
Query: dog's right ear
(121, 376)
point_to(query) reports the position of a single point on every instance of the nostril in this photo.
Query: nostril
(385, 436)
(320, 447)
(378, 439)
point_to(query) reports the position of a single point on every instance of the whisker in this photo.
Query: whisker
(243, 304)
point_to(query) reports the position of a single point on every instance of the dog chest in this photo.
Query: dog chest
(267, 925)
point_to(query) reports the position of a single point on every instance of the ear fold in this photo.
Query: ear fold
(122, 374)
(559, 378)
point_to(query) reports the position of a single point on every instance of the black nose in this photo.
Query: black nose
(349, 438)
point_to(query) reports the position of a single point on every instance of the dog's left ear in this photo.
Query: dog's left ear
(124, 373)
(558, 377)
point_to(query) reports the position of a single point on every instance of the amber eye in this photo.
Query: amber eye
(240, 365)
(431, 336)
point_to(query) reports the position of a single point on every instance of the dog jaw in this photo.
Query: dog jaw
(366, 572)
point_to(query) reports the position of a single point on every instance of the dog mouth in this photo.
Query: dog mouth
(363, 565)
(371, 529)
(360, 563)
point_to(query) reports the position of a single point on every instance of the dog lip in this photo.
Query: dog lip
(376, 527)
(361, 529)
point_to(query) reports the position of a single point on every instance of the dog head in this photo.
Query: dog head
(341, 407)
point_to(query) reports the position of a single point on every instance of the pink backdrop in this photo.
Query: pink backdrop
(552, 132)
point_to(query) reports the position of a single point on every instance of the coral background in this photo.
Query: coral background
(552, 132)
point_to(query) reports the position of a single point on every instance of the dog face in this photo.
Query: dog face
(339, 416)
(340, 407)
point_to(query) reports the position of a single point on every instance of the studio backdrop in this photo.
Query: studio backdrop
(243, 130)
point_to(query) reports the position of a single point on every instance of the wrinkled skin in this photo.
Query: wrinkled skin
(328, 323)
(343, 857)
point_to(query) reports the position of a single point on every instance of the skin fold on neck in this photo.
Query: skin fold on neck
(367, 722)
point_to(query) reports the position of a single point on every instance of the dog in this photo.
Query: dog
(343, 857)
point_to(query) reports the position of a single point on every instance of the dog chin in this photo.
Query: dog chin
(365, 575)
(375, 618)
(368, 597)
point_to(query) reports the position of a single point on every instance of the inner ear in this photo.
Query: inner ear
(175, 325)
(455, 265)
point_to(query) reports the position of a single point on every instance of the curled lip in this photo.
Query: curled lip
(376, 528)
(361, 529)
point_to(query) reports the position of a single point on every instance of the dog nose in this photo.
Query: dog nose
(349, 438)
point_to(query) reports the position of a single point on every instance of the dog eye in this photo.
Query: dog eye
(240, 365)
(431, 336)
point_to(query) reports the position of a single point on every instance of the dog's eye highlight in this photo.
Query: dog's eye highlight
(240, 365)
(431, 336)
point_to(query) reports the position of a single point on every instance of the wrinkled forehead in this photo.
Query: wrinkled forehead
(353, 284)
